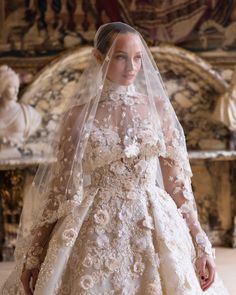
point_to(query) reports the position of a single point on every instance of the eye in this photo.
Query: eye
(120, 57)
(138, 57)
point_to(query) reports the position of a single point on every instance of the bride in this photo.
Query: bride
(117, 211)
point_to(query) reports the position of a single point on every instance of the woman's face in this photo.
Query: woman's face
(125, 60)
(11, 91)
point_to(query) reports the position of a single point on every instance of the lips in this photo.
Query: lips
(129, 76)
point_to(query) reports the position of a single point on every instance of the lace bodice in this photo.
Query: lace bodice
(106, 146)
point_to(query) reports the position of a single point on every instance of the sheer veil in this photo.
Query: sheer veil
(63, 189)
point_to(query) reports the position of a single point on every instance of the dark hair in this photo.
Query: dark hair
(103, 40)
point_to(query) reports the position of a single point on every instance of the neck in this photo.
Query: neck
(7, 104)
(118, 88)
(116, 92)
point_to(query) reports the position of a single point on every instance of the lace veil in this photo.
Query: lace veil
(119, 92)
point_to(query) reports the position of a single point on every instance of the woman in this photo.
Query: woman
(118, 214)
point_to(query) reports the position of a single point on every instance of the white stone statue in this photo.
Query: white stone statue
(17, 121)
(225, 110)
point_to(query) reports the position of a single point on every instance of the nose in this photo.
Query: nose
(130, 65)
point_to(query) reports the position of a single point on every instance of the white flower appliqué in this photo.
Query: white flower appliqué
(69, 236)
(102, 241)
(128, 100)
(131, 150)
(86, 282)
(88, 261)
(101, 217)
(112, 264)
(139, 267)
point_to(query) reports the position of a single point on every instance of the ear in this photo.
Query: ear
(98, 55)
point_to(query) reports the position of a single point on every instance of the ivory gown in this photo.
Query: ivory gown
(132, 238)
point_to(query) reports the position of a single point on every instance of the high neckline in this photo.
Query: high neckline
(115, 92)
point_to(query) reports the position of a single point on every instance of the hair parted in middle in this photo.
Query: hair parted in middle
(105, 34)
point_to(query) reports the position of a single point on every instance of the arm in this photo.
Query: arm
(178, 187)
(176, 173)
(177, 182)
(55, 194)
(56, 190)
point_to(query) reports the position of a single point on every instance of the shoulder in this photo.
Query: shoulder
(159, 102)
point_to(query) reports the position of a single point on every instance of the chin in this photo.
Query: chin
(127, 82)
(11, 98)
(123, 82)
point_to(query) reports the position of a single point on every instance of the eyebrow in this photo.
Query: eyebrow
(120, 51)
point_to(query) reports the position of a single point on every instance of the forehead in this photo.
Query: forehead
(128, 42)
(12, 82)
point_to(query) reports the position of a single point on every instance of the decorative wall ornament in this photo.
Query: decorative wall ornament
(228, 33)
(39, 28)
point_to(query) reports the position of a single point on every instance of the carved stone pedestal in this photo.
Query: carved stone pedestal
(15, 179)
(213, 185)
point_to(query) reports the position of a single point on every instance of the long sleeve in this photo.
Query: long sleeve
(55, 193)
(178, 186)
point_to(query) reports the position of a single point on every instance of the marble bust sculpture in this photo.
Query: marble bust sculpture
(225, 110)
(17, 121)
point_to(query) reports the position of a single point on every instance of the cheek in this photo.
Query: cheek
(11, 92)
(115, 68)
(138, 65)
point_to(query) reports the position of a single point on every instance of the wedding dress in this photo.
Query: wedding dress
(116, 213)
(132, 238)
